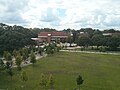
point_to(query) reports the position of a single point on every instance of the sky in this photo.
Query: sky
(61, 14)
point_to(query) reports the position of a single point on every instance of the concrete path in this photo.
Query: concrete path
(26, 63)
(91, 52)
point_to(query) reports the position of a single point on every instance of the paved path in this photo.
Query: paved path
(38, 57)
(91, 52)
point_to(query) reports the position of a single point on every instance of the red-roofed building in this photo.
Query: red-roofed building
(52, 36)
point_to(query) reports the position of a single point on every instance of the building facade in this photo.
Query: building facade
(52, 36)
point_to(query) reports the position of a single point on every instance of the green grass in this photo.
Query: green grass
(100, 72)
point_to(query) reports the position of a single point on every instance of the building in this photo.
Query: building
(107, 34)
(52, 36)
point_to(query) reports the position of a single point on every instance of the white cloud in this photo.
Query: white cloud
(11, 10)
(61, 14)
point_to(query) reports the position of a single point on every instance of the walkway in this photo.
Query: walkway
(91, 52)
(26, 63)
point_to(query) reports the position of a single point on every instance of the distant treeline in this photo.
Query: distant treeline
(15, 37)
(106, 40)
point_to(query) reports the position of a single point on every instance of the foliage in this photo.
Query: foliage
(40, 50)
(14, 37)
(97, 70)
(25, 54)
(94, 37)
(18, 61)
(113, 42)
(49, 49)
(14, 53)
(84, 41)
(32, 57)
(97, 40)
(79, 81)
(43, 81)
(50, 82)
(52, 48)
(10, 72)
(8, 59)
(2, 66)
(5, 55)
(8, 65)
(24, 76)
(58, 48)
(31, 48)
(102, 49)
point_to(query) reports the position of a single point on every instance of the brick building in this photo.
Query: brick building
(52, 36)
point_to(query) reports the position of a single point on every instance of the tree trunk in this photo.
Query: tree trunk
(79, 87)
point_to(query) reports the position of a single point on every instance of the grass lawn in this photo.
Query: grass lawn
(100, 72)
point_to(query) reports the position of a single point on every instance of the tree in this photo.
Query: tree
(24, 57)
(8, 61)
(8, 66)
(40, 50)
(1, 65)
(57, 48)
(75, 36)
(10, 72)
(43, 81)
(97, 32)
(70, 38)
(49, 50)
(18, 61)
(10, 36)
(20, 51)
(84, 41)
(32, 58)
(109, 31)
(14, 53)
(5, 55)
(79, 81)
(24, 76)
(33, 48)
(9, 57)
(25, 54)
(97, 40)
(89, 31)
(50, 82)
(113, 42)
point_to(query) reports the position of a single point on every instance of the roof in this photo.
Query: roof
(54, 33)
(107, 34)
(44, 33)
(34, 39)
(59, 33)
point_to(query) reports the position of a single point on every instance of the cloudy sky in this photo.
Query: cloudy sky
(61, 14)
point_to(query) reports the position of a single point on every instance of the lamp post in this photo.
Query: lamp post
(71, 39)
